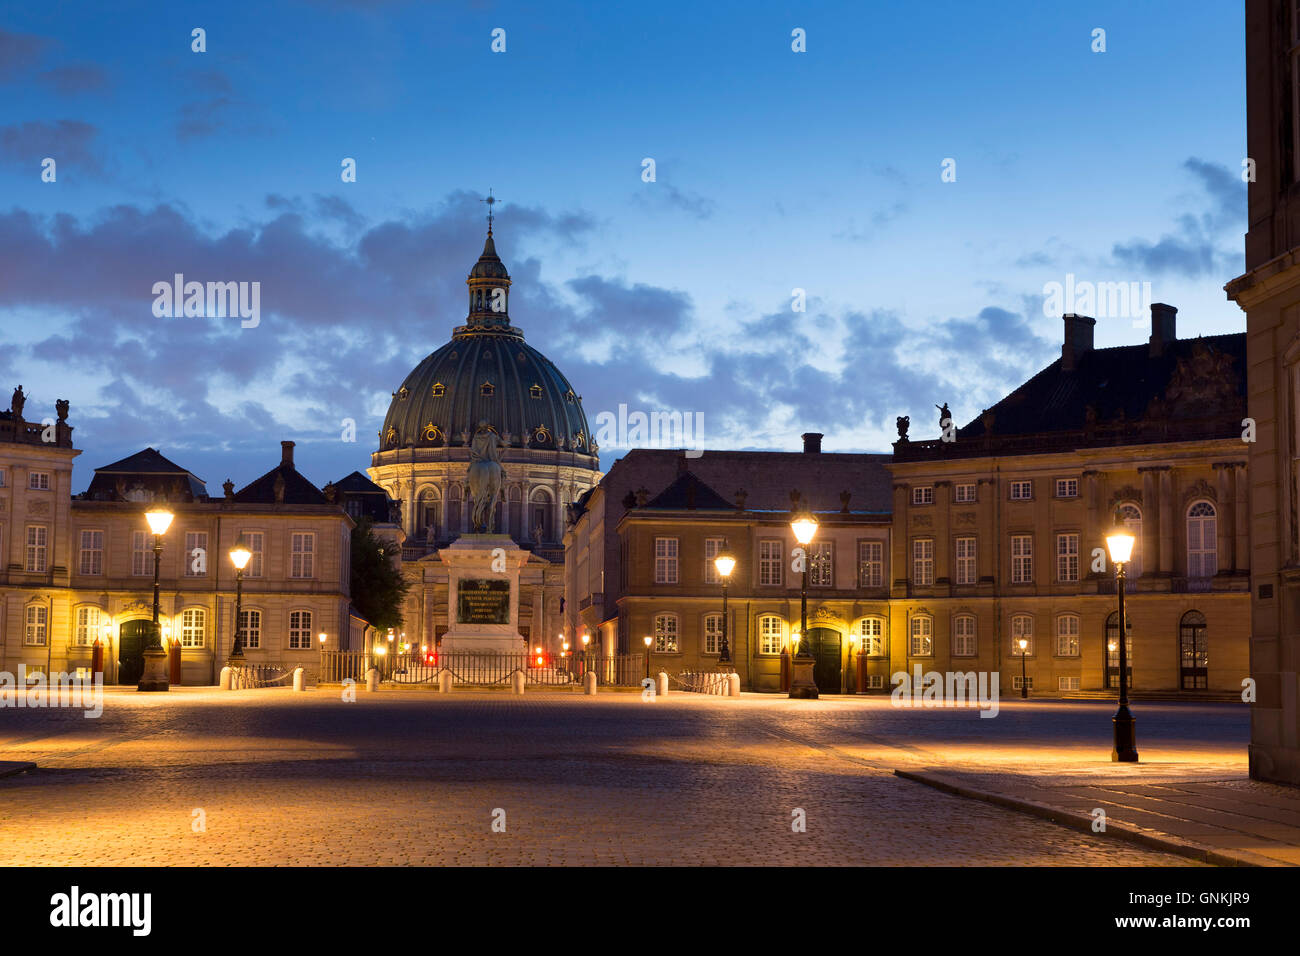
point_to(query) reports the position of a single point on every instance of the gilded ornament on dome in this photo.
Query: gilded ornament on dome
(431, 432)
(542, 433)
(438, 389)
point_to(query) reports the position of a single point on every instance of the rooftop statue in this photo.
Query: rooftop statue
(486, 478)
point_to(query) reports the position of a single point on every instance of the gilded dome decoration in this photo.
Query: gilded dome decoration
(431, 432)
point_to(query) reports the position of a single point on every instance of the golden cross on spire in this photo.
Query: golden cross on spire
(491, 201)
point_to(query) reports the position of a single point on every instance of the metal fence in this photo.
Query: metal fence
(704, 682)
(483, 670)
(260, 675)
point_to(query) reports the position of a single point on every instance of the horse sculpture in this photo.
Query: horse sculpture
(486, 478)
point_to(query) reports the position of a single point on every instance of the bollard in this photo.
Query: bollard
(663, 684)
(589, 682)
(372, 679)
(733, 685)
(444, 682)
(517, 682)
(226, 675)
(299, 679)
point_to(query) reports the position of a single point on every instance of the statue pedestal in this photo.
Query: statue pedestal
(483, 595)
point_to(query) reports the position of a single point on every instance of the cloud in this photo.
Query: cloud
(75, 78)
(18, 51)
(661, 195)
(71, 143)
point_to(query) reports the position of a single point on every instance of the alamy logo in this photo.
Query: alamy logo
(213, 300)
(653, 430)
(1101, 300)
(32, 689)
(933, 689)
(74, 909)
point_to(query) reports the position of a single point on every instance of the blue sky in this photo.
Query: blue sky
(776, 170)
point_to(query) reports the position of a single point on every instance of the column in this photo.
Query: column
(943, 543)
(1091, 536)
(899, 570)
(1166, 521)
(408, 509)
(1225, 533)
(1150, 524)
(1241, 487)
(988, 545)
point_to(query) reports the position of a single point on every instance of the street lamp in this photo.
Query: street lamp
(155, 658)
(1119, 542)
(239, 557)
(802, 686)
(648, 639)
(725, 563)
(1024, 682)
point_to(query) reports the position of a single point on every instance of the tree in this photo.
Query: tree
(378, 588)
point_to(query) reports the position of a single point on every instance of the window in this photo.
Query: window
(821, 564)
(870, 632)
(1194, 652)
(1112, 650)
(2, 477)
(711, 548)
(303, 547)
(666, 633)
(1020, 683)
(250, 628)
(712, 633)
(487, 388)
(37, 625)
(1131, 515)
(1067, 557)
(254, 540)
(1067, 487)
(923, 495)
(1022, 558)
(1202, 542)
(964, 493)
(88, 624)
(1067, 635)
(140, 553)
(771, 634)
(38, 481)
(1022, 490)
(963, 635)
(535, 391)
(921, 636)
(37, 547)
(871, 564)
(194, 627)
(965, 560)
(1022, 629)
(196, 553)
(923, 561)
(769, 561)
(91, 558)
(439, 389)
(299, 630)
(665, 560)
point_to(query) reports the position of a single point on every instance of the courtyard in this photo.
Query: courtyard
(199, 776)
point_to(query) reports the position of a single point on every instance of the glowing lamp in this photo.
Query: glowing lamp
(159, 520)
(1119, 542)
(804, 526)
(1023, 644)
(321, 637)
(240, 555)
(647, 640)
(725, 562)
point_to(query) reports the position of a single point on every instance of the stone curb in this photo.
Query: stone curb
(9, 768)
(1082, 821)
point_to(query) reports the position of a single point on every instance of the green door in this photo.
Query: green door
(825, 647)
(131, 640)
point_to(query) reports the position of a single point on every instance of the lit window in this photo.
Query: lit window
(712, 633)
(871, 564)
(821, 565)
(771, 634)
(37, 625)
(194, 626)
(1022, 628)
(711, 548)
(921, 642)
(87, 632)
(250, 626)
(870, 632)
(666, 634)
(1067, 635)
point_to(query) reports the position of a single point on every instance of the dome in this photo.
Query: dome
(487, 372)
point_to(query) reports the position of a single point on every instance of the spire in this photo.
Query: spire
(491, 201)
(489, 282)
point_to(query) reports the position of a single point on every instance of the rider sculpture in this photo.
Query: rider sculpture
(486, 478)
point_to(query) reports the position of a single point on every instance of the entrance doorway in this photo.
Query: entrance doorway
(1194, 652)
(1112, 651)
(132, 638)
(824, 644)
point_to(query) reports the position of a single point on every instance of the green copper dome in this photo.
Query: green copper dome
(487, 373)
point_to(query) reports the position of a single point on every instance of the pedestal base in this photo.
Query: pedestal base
(802, 685)
(155, 670)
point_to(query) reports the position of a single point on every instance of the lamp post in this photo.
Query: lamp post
(586, 639)
(239, 556)
(725, 562)
(155, 658)
(1119, 542)
(648, 639)
(1024, 682)
(802, 685)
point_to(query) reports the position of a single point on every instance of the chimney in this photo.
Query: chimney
(286, 453)
(812, 443)
(1078, 340)
(1163, 328)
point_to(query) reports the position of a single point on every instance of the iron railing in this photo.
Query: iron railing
(484, 670)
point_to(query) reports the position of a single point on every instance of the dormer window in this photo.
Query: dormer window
(570, 397)
(487, 388)
(542, 434)
(439, 389)
(535, 391)
(403, 392)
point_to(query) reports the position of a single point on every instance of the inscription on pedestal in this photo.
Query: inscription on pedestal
(483, 601)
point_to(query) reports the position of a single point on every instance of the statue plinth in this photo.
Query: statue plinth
(483, 595)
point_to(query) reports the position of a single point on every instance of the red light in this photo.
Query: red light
(539, 661)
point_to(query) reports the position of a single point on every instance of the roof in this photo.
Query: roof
(147, 462)
(358, 484)
(297, 489)
(151, 469)
(688, 493)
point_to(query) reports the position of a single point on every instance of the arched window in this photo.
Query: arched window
(1202, 541)
(1193, 652)
(1022, 628)
(429, 514)
(250, 628)
(1067, 635)
(963, 635)
(921, 636)
(1112, 650)
(299, 630)
(88, 625)
(194, 627)
(870, 633)
(38, 622)
(666, 634)
(1131, 516)
(771, 634)
(539, 515)
(712, 633)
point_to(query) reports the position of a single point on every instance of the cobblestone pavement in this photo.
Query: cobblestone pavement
(414, 778)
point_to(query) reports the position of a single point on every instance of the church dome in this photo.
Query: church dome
(487, 372)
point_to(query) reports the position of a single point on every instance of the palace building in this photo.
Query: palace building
(946, 554)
